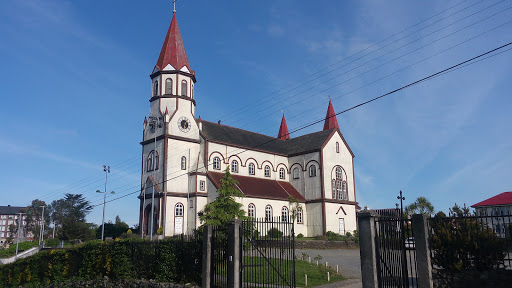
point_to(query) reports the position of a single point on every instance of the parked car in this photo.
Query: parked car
(409, 243)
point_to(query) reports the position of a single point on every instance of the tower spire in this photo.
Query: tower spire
(283, 130)
(330, 118)
(173, 55)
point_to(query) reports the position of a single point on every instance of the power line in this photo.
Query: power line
(458, 66)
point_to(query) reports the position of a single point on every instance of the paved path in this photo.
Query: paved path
(348, 261)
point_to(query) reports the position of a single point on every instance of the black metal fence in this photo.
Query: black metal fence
(395, 249)
(471, 242)
(268, 254)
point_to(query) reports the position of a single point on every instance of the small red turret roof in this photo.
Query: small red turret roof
(330, 119)
(500, 199)
(283, 130)
(173, 50)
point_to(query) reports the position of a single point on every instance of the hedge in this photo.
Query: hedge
(170, 260)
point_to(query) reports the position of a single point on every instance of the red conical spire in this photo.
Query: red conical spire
(173, 50)
(283, 130)
(330, 119)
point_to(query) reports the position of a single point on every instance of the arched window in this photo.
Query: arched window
(281, 173)
(267, 171)
(183, 163)
(184, 87)
(251, 169)
(339, 186)
(152, 161)
(268, 213)
(295, 173)
(299, 216)
(312, 171)
(251, 211)
(178, 210)
(337, 147)
(216, 163)
(155, 88)
(168, 86)
(284, 214)
(234, 166)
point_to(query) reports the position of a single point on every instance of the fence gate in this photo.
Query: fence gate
(268, 253)
(396, 257)
(219, 257)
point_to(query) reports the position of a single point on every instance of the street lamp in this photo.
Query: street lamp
(18, 236)
(41, 230)
(106, 169)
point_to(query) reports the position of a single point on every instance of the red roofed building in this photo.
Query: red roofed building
(184, 156)
(500, 204)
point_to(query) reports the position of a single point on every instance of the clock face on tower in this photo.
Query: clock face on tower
(184, 124)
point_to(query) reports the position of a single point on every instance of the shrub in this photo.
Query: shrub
(348, 234)
(300, 235)
(170, 260)
(274, 233)
(160, 231)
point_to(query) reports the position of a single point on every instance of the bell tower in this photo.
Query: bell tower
(171, 142)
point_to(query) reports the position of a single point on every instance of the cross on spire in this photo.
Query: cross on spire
(174, 3)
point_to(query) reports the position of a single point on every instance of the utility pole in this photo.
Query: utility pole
(156, 124)
(106, 169)
(41, 229)
(18, 234)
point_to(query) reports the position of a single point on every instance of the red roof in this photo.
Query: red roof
(283, 130)
(173, 50)
(261, 188)
(500, 199)
(330, 118)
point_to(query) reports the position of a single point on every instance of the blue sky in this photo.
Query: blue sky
(74, 84)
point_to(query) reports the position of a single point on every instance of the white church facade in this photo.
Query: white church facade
(183, 159)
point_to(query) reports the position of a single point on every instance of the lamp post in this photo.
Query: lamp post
(106, 169)
(18, 234)
(41, 230)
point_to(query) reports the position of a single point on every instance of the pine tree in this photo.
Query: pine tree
(224, 208)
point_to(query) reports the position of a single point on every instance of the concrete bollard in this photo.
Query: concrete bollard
(328, 277)
(306, 280)
(325, 264)
(337, 271)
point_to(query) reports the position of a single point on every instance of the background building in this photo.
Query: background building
(9, 216)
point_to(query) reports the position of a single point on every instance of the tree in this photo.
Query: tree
(462, 242)
(420, 206)
(33, 217)
(70, 213)
(113, 230)
(224, 208)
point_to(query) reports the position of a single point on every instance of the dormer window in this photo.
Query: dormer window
(168, 86)
(155, 88)
(184, 87)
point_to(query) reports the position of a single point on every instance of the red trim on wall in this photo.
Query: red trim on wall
(211, 154)
(354, 180)
(250, 158)
(271, 165)
(341, 208)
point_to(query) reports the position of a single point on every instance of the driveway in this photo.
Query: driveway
(348, 261)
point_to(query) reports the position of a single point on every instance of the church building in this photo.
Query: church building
(183, 158)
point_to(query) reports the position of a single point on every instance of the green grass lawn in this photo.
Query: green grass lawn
(274, 271)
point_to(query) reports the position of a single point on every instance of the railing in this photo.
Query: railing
(471, 242)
